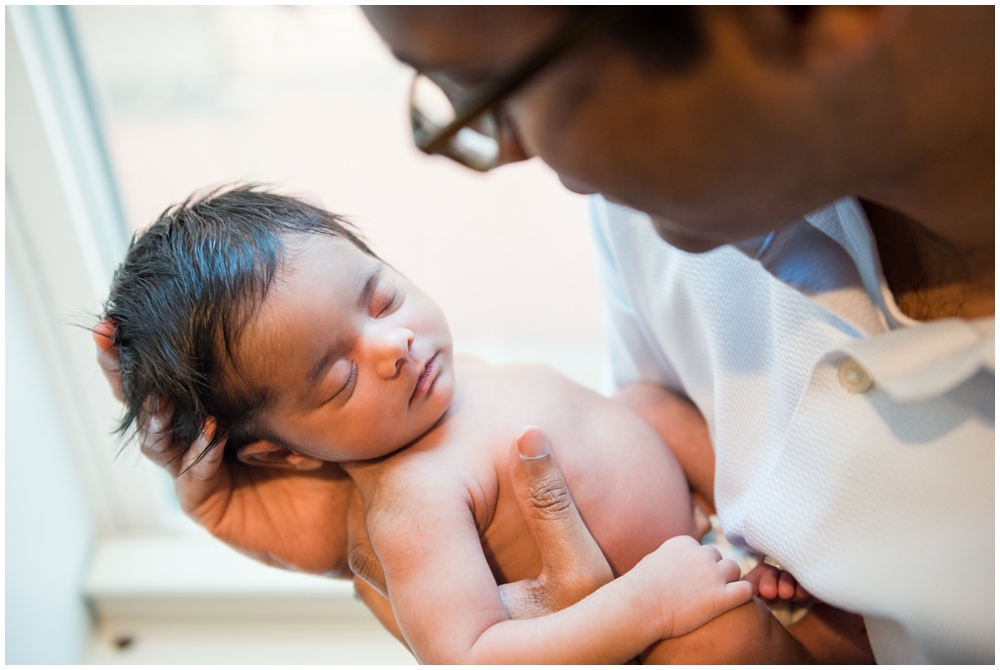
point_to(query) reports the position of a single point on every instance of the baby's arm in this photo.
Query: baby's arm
(682, 427)
(449, 609)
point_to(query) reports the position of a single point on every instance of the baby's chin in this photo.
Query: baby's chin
(442, 397)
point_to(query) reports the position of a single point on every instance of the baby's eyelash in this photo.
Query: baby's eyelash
(392, 301)
(350, 380)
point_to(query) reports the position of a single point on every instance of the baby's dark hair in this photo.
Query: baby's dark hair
(187, 289)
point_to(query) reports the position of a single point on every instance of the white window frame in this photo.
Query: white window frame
(65, 234)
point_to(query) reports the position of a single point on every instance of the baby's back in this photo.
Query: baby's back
(625, 481)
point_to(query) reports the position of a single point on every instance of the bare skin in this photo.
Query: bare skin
(892, 104)
(781, 116)
(452, 485)
(305, 506)
(360, 371)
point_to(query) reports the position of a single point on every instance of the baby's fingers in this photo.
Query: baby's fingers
(730, 570)
(737, 593)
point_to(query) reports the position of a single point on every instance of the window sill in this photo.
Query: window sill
(192, 575)
(185, 598)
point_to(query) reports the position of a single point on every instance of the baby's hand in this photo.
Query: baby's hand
(772, 583)
(686, 585)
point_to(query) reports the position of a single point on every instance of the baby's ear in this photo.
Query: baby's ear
(273, 455)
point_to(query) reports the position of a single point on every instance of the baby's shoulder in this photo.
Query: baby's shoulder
(406, 482)
(520, 374)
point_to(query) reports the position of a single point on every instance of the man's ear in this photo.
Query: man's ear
(817, 36)
(265, 453)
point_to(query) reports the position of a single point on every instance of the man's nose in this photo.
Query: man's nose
(511, 149)
(390, 347)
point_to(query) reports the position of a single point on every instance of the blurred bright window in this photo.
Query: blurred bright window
(309, 99)
(114, 113)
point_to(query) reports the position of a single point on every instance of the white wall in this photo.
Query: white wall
(49, 526)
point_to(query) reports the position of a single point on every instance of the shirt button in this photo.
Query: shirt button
(853, 377)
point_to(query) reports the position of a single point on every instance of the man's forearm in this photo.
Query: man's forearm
(832, 635)
(681, 426)
(747, 635)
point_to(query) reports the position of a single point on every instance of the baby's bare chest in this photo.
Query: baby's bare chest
(604, 452)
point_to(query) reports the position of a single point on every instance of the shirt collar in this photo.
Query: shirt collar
(830, 256)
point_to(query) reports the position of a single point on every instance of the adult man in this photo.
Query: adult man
(726, 125)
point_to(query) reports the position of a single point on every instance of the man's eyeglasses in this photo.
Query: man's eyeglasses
(470, 132)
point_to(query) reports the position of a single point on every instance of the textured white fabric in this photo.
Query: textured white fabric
(881, 502)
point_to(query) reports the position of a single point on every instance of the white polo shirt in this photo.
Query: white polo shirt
(854, 445)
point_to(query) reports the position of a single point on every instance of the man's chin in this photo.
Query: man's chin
(683, 240)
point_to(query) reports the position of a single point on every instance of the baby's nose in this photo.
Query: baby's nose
(392, 347)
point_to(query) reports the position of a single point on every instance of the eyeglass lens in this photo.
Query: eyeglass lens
(476, 146)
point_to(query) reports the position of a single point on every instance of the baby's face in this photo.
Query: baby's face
(358, 358)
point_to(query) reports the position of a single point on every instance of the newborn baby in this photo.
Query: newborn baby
(272, 321)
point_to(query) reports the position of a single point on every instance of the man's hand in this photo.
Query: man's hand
(285, 518)
(573, 566)
(107, 356)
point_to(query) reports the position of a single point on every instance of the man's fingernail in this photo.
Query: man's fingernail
(532, 444)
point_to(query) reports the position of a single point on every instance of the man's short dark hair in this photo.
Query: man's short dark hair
(662, 38)
(670, 38)
(187, 289)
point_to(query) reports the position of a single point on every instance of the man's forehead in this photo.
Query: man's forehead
(463, 40)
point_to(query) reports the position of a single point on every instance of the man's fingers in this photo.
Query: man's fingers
(786, 585)
(573, 565)
(772, 583)
(155, 439)
(107, 355)
(768, 584)
(361, 556)
(199, 471)
(157, 443)
(201, 461)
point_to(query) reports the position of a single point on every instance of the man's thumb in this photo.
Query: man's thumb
(548, 508)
